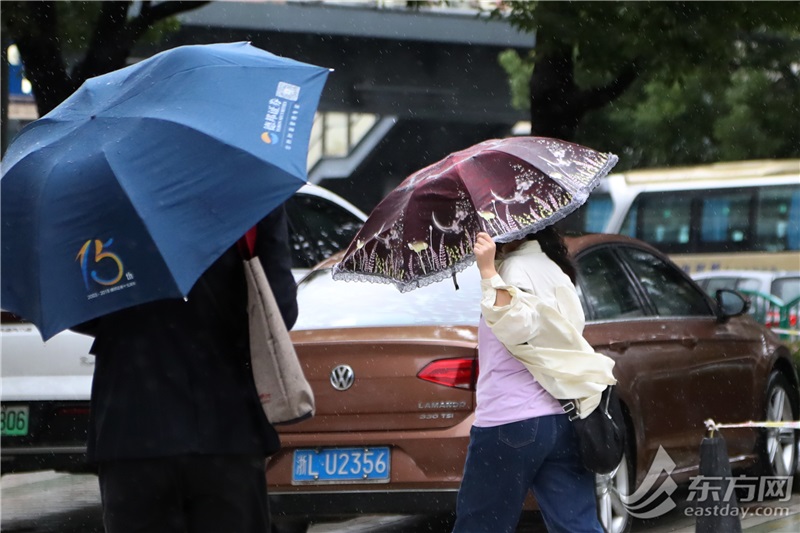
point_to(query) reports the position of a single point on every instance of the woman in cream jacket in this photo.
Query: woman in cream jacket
(521, 439)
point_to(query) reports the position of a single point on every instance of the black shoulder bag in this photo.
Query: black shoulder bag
(601, 435)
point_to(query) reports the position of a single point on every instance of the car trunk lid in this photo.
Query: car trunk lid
(367, 379)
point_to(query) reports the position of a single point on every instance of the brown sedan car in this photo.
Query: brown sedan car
(394, 377)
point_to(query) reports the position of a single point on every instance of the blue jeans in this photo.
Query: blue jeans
(504, 462)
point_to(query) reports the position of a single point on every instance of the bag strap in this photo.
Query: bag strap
(247, 244)
(570, 407)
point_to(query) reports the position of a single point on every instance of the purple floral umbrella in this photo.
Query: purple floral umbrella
(423, 230)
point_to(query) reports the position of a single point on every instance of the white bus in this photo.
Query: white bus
(737, 215)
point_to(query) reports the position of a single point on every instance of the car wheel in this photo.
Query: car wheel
(610, 489)
(778, 446)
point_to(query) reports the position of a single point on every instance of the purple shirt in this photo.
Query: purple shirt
(506, 391)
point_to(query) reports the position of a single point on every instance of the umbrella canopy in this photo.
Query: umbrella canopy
(139, 181)
(423, 230)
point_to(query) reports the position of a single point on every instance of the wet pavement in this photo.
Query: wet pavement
(50, 502)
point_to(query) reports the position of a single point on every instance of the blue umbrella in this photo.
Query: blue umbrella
(134, 185)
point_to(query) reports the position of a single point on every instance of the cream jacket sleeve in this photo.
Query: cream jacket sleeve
(548, 343)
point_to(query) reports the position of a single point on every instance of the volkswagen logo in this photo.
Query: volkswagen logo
(342, 377)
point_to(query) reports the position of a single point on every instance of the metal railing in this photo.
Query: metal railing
(780, 316)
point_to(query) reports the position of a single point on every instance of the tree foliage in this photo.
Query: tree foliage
(663, 82)
(62, 44)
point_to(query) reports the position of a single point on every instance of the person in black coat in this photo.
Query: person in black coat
(177, 432)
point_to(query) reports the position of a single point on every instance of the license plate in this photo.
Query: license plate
(14, 420)
(342, 465)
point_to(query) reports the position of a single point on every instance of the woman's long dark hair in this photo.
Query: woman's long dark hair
(553, 246)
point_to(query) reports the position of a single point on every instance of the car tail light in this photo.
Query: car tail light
(73, 411)
(461, 373)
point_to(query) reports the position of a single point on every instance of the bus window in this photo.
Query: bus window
(725, 220)
(662, 219)
(777, 221)
(728, 215)
(793, 232)
(629, 224)
(591, 217)
(598, 211)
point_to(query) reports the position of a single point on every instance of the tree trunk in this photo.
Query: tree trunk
(34, 27)
(41, 53)
(555, 96)
(557, 103)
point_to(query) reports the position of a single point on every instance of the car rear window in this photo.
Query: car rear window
(326, 303)
(712, 285)
(787, 289)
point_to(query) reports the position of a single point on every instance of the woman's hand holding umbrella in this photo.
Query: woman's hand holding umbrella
(485, 250)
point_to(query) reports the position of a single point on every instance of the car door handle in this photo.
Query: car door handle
(619, 346)
(689, 342)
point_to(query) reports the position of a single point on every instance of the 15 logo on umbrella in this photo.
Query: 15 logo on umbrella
(99, 257)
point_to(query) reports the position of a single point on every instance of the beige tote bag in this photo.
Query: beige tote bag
(285, 394)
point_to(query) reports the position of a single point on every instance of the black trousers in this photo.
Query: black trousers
(185, 494)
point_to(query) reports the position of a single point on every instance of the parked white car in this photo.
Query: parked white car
(784, 284)
(46, 386)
